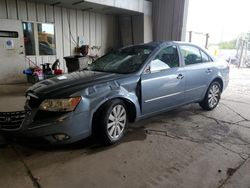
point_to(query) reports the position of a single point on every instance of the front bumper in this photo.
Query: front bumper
(74, 125)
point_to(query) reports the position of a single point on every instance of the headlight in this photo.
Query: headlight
(60, 105)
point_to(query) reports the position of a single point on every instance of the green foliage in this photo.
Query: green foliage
(228, 44)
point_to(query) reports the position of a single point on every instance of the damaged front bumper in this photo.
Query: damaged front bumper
(57, 128)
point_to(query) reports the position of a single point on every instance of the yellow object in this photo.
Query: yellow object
(216, 52)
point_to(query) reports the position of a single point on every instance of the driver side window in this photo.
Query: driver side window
(166, 58)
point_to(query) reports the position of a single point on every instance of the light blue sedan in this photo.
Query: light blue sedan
(123, 86)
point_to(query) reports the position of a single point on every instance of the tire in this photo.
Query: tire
(212, 96)
(111, 123)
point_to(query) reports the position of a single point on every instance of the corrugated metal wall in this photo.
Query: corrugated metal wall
(135, 29)
(168, 19)
(98, 29)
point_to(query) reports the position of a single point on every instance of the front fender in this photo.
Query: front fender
(94, 97)
(120, 94)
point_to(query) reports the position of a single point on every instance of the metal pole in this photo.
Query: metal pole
(190, 36)
(207, 37)
(245, 54)
(241, 53)
(238, 47)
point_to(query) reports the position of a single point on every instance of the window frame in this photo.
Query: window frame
(37, 30)
(209, 58)
(148, 66)
(200, 50)
(33, 30)
(36, 38)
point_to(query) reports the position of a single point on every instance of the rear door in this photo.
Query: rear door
(163, 81)
(199, 72)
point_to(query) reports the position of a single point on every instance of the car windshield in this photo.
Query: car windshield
(122, 61)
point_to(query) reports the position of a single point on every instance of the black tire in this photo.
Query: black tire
(206, 102)
(102, 121)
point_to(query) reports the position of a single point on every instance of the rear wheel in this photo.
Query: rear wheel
(112, 122)
(212, 96)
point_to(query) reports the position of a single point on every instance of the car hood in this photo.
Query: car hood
(67, 84)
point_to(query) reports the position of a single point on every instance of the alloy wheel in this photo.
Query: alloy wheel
(213, 96)
(116, 121)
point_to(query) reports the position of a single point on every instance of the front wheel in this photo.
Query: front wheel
(212, 96)
(113, 122)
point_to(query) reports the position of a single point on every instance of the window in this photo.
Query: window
(9, 34)
(122, 61)
(166, 58)
(29, 39)
(158, 65)
(46, 39)
(41, 33)
(204, 56)
(191, 55)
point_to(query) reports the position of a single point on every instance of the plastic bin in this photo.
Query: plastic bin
(76, 62)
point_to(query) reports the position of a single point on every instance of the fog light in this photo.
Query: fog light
(61, 137)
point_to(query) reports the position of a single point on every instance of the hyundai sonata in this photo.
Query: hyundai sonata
(121, 87)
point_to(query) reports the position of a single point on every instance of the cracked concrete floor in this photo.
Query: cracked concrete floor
(187, 147)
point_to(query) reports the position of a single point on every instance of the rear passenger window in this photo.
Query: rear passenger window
(191, 55)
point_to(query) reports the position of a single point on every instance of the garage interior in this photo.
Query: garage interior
(187, 147)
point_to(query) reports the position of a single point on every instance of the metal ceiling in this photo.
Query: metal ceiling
(87, 6)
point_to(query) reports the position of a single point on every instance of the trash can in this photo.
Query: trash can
(76, 62)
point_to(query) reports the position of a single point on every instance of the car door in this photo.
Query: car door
(199, 72)
(163, 81)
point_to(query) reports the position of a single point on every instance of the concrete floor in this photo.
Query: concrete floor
(187, 147)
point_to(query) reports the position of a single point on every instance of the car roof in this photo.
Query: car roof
(156, 44)
(160, 43)
(167, 42)
(153, 45)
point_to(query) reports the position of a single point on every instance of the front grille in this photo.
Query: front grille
(11, 120)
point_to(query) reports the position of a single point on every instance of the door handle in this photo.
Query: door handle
(209, 70)
(180, 76)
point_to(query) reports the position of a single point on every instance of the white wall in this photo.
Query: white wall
(98, 29)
